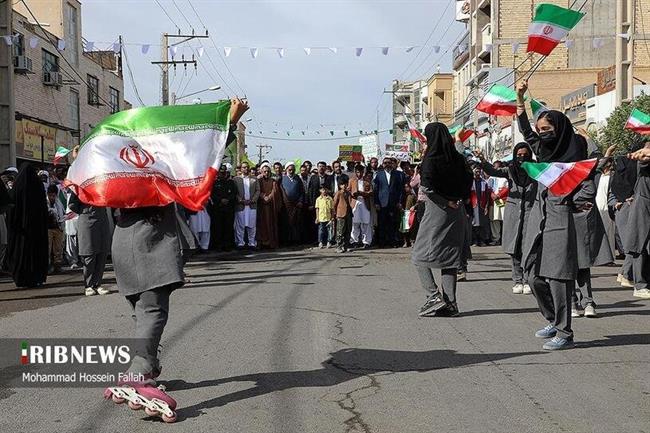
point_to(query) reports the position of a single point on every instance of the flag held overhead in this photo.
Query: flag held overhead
(550, 25)
(638, 122)
(499, 101)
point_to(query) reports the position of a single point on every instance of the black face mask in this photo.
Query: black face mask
(547, 138)
(521, 159)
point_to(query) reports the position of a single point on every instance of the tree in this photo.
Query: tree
(615, 133)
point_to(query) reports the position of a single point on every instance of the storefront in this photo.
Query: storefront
(37, 141)
(574, 104)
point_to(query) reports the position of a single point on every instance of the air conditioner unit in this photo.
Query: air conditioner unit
(22, 64)
(52, 79)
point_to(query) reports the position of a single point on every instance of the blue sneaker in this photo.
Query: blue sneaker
(558, 343)
(548, 332)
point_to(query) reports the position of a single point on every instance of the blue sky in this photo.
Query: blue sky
(340, 91)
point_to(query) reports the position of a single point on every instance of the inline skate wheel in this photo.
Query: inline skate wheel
(169, 419)
(117, 400)
(134, 406)
(151, 412)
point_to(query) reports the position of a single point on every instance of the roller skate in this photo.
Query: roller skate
(155, 401)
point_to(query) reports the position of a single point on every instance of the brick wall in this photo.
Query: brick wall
(642, 24)
(52, 104)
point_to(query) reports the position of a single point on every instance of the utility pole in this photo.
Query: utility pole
(7, 104)
(166, 63)
(624, 51)
(262, 148)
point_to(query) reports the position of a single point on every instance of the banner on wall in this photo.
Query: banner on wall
(28, 140)
(398, 155)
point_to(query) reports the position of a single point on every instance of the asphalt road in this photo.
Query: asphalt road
(313, 341)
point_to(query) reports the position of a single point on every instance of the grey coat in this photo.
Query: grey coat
(592, 244)
(94, 228)
(441, 236)
(549, 249)
(147, 250)
(517, 211)
(637, 239)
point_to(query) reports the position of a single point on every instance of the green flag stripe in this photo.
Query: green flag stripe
(557, 16)
(535, 170)
(503, 92)
(23, 345)
(165, 119)
(641, 116)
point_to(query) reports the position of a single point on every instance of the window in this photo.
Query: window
(19, 44)
(74, 109)
(71, 33)
(50, 62)
(114, 99)
(93, 90)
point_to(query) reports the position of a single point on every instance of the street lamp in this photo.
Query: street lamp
(176, 98)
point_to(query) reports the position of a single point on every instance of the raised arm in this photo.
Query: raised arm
(489, 168)
(530, 136)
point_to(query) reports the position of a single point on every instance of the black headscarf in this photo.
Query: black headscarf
(517, 173)
(27, 252)
(569, 147)
(444, 170)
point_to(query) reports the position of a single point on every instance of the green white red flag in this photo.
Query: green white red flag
(550, 25)
(561, 178)
(61, 152)
(537, 108)
(499, 101)
(152, 156)
(416, 135)
(638, 122)
(464, 133)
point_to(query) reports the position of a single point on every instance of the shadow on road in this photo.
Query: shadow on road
(603, 310)
(342, 366)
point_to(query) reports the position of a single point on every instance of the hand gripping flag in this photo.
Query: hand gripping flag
(499, 101)
(561, 178)
(464, 133)
(152, 156)
(639, 122)
(550, 25)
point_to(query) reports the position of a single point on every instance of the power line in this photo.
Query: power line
(197, 15)
(313, 139)
(427, 40)
(433, 49)
(130, 72)
(183, 15)
(168, 16)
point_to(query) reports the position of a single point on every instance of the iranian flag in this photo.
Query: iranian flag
(499, 101)
(551, 24)
(561, 178)
(538, 108)
(639, 122)
(464, 133)
(152, 156)
(416, 135)
(61, 152)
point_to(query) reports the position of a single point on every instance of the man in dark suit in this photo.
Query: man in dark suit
(338, 176)
(389, 189)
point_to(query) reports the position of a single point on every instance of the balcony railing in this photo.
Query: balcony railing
(461, 51)
(486, 41)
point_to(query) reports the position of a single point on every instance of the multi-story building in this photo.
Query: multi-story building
(61, 86)
(440, 100)
(496, 41)
(409, 106)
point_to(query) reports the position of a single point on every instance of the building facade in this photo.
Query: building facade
(62, 87)
(440, 99)
(409, 107)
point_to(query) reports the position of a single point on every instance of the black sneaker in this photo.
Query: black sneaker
(449, 310)
(431, 307)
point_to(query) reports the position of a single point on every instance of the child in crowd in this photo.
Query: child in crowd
(343, 205)
(361, 218)
(410, 200)
(324, 216)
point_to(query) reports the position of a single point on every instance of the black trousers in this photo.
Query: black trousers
(388, 227)
(222, 231)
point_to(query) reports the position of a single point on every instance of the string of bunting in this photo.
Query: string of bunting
(597, 42)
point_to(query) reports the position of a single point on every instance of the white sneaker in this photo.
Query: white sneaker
(462, 276)
(90, 291)
(625, 282)
(619, 277)
(590, 311)
(103, 291)
(642, 293)
(518, 289)
(527, 290)
(575, 312)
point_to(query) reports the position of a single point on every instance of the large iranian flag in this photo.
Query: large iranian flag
(152, 156)
(499, 101)
(550, 25)
(561, 178)
(638, 122)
